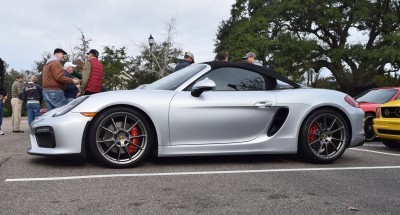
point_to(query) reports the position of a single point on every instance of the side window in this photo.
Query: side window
(398, 97)
(229, 79)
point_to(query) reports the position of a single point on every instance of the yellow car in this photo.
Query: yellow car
(387, 123)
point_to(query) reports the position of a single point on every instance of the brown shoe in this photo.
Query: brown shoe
(18, 131)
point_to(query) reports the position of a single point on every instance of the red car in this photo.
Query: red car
(369, 100)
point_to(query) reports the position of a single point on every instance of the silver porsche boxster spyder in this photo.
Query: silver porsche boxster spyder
(212, 108)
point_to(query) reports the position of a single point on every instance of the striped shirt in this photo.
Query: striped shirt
(16, 89)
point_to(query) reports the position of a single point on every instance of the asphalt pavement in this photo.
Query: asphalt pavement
(364, 181)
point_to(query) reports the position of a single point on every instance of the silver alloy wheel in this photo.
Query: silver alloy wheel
(121, 138)
(326, 135)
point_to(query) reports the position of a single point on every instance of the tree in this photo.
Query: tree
(155, 63)
(114, 61)
(76, 55)
(295, 36)
(82, 48)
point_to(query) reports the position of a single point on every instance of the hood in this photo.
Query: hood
(53, 58)
(394, 103)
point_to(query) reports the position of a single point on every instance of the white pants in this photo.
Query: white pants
(16, 105)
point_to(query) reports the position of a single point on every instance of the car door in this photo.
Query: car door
(237, 110)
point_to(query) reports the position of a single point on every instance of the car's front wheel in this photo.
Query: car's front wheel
(121, 137)
(391, 143)
(368, 127)
(324, 136)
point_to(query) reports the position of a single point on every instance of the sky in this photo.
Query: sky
(31, 28)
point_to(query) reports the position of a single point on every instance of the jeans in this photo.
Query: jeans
(54, 99)
(69, 100)
(1, 113)
(33, 110)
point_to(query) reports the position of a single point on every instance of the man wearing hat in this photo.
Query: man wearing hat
(92, 74)
(71, 90)
(54, 81)
(249, 57)
(188, 59)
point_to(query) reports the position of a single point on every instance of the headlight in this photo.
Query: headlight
(378, 112)
(65, 109)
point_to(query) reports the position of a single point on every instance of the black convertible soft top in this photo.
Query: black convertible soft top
(259, 69)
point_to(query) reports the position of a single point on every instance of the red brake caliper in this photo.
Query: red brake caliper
(132, 147)
(311, 133)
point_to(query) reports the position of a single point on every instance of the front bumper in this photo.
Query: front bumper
(62, 135)
(387, 128)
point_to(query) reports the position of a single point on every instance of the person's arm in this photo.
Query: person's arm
(70, 87)
(59, 75)
(14, 90)
(77, 75)
(85, 76)
(40, 91)
(4, 95)
(23, 94)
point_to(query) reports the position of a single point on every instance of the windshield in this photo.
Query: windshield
(379, 96)
(174, 80)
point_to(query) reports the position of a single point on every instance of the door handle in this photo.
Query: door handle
(263, 104)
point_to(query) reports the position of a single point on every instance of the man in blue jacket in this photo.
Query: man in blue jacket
(71, 90)
(188, 59)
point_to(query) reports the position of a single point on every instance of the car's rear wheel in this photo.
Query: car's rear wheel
(391, 143)
(368, 127)
(121, 137)
(324, 136)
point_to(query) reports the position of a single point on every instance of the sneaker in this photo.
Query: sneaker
(1, 133)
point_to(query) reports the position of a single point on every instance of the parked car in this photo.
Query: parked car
(369, 100)
(212, 108)
(387, 123)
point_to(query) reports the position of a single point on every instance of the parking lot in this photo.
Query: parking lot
(364, 181)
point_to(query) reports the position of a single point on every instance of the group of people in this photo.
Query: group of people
(60, 85)
(188, 59)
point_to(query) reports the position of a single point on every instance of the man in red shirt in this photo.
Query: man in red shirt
(92, 74)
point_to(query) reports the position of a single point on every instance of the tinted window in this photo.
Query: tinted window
(379, 96)
(229, 78)
(174, 80)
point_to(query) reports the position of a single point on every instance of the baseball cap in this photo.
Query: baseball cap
(94, 52)
(68, 64)
(58, 50)
(250, 54)
(189, 54)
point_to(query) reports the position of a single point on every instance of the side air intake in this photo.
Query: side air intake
(278, 120)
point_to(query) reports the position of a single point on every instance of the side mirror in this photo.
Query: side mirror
(201, 86)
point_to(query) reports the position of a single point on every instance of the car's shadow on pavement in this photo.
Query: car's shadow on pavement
(65, 162)
(60, 161)
(223, 159)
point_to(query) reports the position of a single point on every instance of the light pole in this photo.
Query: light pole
(151, 44)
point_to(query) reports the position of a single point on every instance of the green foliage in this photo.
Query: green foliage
(294, 36)
(6, 112)
(385, 81)
(326, 83)
(114, 61)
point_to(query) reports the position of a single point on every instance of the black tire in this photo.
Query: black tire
(324, 136)
(394, 144)
(112, 142)
(368, 129)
